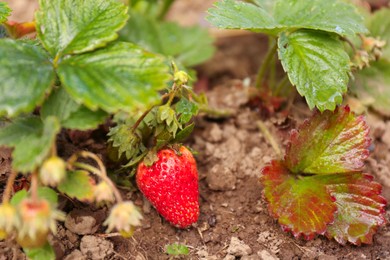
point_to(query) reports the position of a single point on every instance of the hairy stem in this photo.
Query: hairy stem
(281, 85)
(264, 66)
(34, 185)
(8, 187)
(215, 112)
(166, 5)
(268, 136)
(101, 172)
(350, 43)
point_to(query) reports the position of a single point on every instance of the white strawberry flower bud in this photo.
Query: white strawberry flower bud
(103, 193)
(123, 217)
(53, 171)
(9, 220)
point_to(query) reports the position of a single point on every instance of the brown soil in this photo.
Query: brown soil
(234, 221)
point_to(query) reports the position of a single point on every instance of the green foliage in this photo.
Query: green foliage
(5, 11)
(379, 26)
(331, 16)
(310, 47)
(41, 253)
(71, 26)
(26, 75)
(319, 188)
(177, 249)
(33, 134)
(93, 76)
(317, 64)
(372, 84)
(187, 45)
(186, 109)
(160, 126)
(78, 184)
(71, 114)
(127, 77)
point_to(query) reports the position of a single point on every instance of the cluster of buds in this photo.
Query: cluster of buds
(31, 221)
(371, 50)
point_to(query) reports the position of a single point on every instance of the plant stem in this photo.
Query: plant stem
(139, 120)
(263, 68)
(281, 84)
(172, 94)
(215, 112)
(8, 187)
(268, 136)
(351, 43)
(34, 186)
(164, 9)
(101, 172)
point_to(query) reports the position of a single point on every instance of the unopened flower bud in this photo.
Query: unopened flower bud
(103, 193)
(53, 171)
(180, 78)
(123, 217)
(9, 220)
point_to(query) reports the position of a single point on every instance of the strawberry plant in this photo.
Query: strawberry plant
(308, 37)
(319, 187)
(72, 76)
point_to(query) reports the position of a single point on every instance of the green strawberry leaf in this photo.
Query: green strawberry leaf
(43, 193)
(379, 26)
(185, 133)
(361, 209)
(26, 75)
(317, 65)
(301, 205)
(331, 16)
(72, 26)
(5, 11)
(21, 127)
(45, 252)
(188, 45)
(59, 104)
(71, 114)
(128, 143)
(118, 77)
(177, 249)
(78, 184)
(186, 109)
(231, 14)
(31, 151)
(373, 83)
(267, 5)
(32, 140)
(331, 142)
(85, 119)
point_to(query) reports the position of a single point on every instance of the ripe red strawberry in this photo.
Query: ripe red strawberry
(171, 185)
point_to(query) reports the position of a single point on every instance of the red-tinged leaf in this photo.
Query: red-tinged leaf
(302, 205)
(331, 142)
(361, 209)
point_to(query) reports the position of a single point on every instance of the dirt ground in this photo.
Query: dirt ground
(234, 222)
